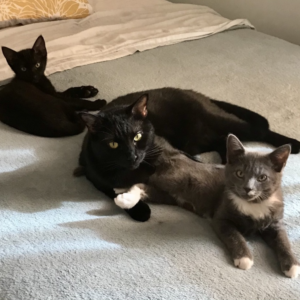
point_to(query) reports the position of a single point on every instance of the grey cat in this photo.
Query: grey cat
(242, 198)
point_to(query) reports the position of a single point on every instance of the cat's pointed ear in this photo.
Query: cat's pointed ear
(9, 54)
(279, 157)
(89, 120)
(39, 46)
(234, 148)
(139, 107)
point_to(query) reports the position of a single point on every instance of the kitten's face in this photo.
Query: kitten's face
(121, 137)
(28, 64)
(253, 176)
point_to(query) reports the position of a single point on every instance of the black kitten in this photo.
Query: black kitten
(30, 102)
(193, 123)
(118, 150)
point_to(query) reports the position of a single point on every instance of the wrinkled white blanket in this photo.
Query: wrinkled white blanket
(117, 28)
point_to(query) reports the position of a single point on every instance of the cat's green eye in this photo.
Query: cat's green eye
(137, 137)
(37, 65)
(239, 174)
(262, 178)
(113, 145)
(23, 69)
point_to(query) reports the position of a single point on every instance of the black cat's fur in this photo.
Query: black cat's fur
(130, 162)
(193, 123)
(30, 102)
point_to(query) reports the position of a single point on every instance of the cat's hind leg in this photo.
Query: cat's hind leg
(275, 236)
(86, 91)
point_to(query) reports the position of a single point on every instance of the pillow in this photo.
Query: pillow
(13, 12)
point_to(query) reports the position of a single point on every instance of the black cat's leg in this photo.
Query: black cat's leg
(276, 237)
(132, 202)
(278, 140)
(81, 104)
(235, 243)
(245, 114)
(259, 130)
(87, 91)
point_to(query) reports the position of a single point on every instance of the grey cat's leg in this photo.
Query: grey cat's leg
(276, 237)
(87, 91)
(235, 242)
(128, 199)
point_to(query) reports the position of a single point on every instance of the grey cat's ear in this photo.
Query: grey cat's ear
(9, 54)
(279, 157)
(89, 120)
(234, 148)
(40, 46)
(139, 107)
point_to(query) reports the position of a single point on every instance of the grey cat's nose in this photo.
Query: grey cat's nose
(247, 190)
(135, 157)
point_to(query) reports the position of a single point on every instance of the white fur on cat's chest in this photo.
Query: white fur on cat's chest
(254, 210)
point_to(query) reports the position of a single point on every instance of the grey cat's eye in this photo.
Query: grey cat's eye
(23, 69)
(262, 178)
(239, 174)
(37, 65)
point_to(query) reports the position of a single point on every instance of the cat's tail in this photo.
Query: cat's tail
(277, 140)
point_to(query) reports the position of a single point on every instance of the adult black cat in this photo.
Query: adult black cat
(30, 102)
(192, 122)
(118, 150)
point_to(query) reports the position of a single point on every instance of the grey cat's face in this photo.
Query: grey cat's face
(253, 176)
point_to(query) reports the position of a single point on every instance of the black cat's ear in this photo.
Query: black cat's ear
(279, 157)
(40, 46)
(9, 54)
(89, 120)
(234, 148)
(139, 107)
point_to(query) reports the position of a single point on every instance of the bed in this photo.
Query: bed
(63, 239)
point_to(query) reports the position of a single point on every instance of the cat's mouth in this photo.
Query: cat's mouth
(251, 197)
(137, 163)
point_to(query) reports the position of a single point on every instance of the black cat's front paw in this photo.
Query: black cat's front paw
(86, 91)
(140, 212)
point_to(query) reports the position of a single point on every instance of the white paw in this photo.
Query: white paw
(293, 272)
(244, 263)
(130, 199)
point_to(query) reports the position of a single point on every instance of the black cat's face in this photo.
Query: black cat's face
(252, 176)
(121, 137)
(28, 64)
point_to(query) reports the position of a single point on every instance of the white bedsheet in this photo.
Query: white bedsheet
(117, 28)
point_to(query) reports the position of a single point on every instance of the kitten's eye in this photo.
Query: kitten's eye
(262, 178)
(137, 137)
(239, 174)
(113, 145)
(37, 65)
(23, 69)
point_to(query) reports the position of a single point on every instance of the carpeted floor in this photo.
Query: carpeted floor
(62, 239)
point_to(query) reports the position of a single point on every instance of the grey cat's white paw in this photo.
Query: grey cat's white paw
(130, 199)
(293, 272)
(244, 263)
